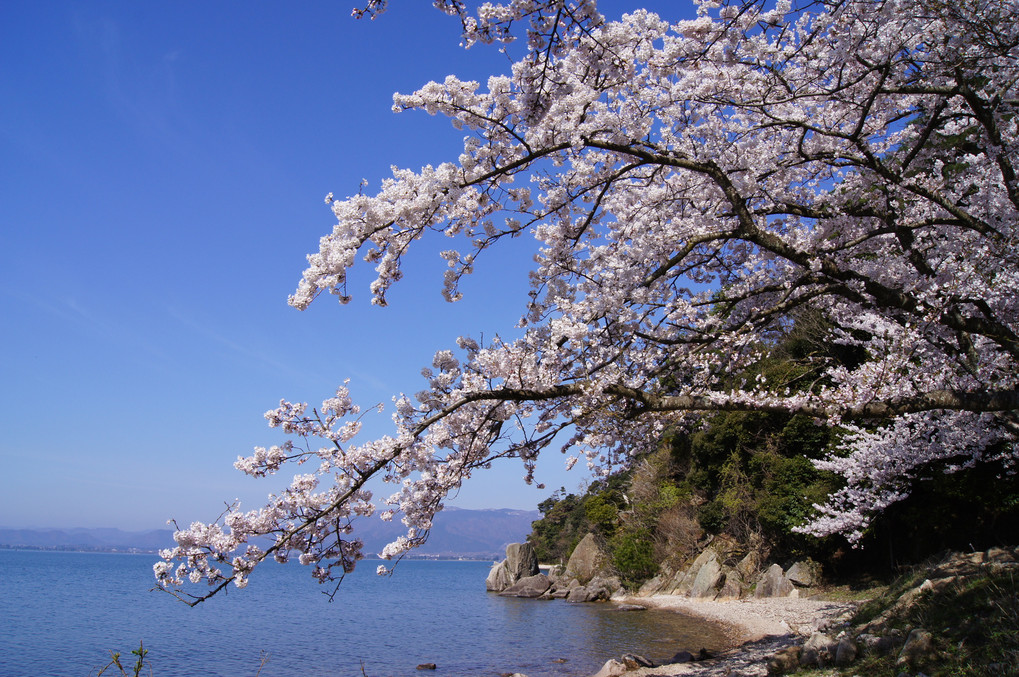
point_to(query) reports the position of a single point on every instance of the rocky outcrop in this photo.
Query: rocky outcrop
(520, 562)
(587, 561)
(597, 590)
(587, 577)
(773, 583)
(531, 586)
(805, 574)
(498, 578)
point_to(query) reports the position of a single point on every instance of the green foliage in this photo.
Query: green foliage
(136, 670)
(633, 555)
(601, 514)
(749, 476)
(567, 518)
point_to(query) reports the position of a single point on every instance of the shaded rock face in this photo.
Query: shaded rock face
(521, 560)
(587, 561)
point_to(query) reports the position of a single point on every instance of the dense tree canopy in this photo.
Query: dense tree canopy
(691, 189)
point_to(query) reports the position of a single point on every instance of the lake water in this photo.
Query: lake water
(61, 613)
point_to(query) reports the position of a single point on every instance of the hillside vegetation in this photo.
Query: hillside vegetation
(748, 476)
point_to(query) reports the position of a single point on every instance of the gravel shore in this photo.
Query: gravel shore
(757, 627)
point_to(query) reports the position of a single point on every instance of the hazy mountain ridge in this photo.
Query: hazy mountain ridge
(456, 533)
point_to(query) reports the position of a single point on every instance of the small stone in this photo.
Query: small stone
(819, 650)
(917, 647)
(785, 661)
(845, 653)
(682, 657)
(427, 666)
(635, 661)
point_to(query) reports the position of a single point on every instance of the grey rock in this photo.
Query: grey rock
(531, 586)
(818, 650)
(773, 583)
(732, 586)
(653, 585)
(784, 661)
(521, 560)
(587, 561)
(588, 593)
(749, 565)
(708, 578)
(875, 645)
(806, 573)
(917, 646)
(683, 582)
(634, 661)
(498, 578)
(682, 657)
(612, 668)
(845, 652)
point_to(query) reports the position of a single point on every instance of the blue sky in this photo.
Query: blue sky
(162, 174)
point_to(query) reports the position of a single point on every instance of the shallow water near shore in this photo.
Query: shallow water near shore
(62, 612)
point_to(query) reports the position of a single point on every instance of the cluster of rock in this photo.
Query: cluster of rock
(630, 662)
(585, 578)
(877, 637)
(718, 573)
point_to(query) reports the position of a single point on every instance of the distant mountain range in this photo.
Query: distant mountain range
(476, 534)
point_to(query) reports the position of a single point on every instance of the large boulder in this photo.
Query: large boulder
(521, 560)
(708, 578)
(806, 573)
(498, 578)
(773, 583)
(732, 586)
(587, 561)
(597, 590)
(530, 586)
(683, 582)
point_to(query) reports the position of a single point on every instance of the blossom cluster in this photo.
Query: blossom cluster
(691, 189)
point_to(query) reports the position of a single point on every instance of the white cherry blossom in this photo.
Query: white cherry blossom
(690, 188)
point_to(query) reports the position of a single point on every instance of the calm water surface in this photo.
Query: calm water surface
(61, 613)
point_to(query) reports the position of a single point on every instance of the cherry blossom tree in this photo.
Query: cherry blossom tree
(690, 188)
